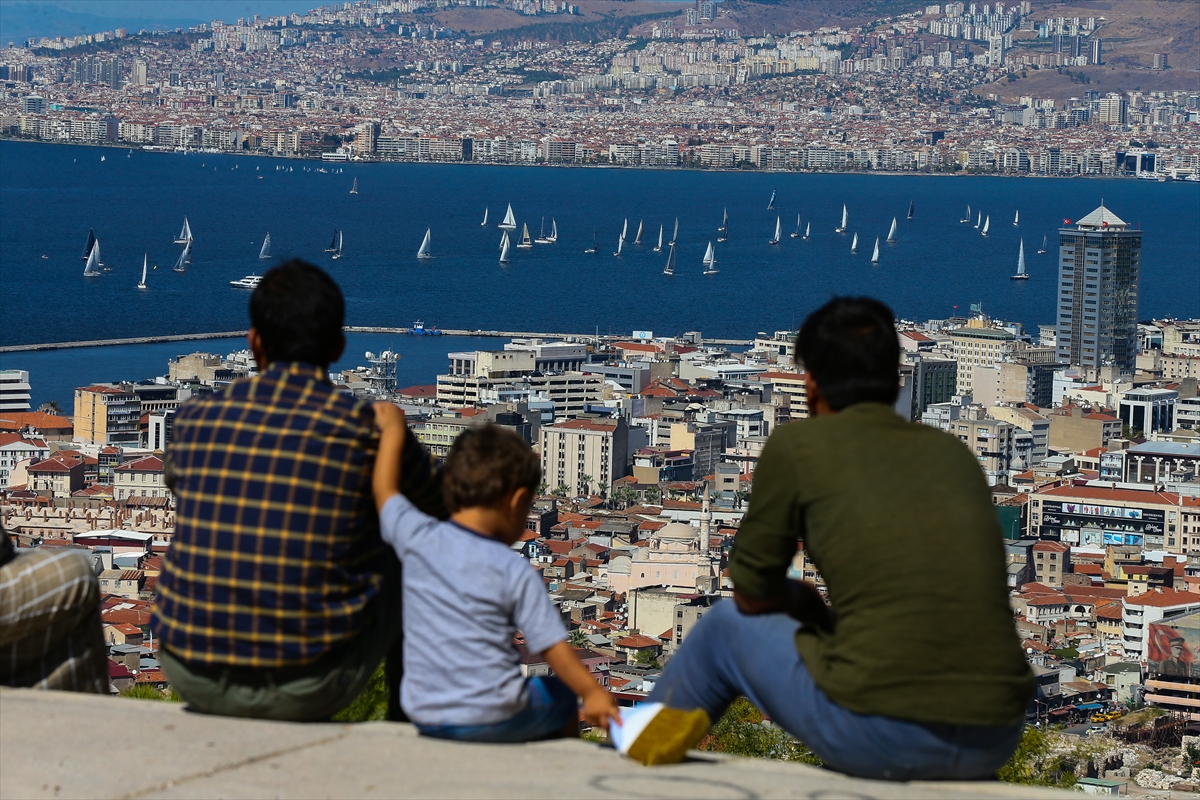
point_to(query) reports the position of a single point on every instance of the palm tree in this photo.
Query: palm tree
(585, 484)
(577, 638)
(653, 495)
(562, 491)
(541, 488)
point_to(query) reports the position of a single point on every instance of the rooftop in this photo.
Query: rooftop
(202, 756)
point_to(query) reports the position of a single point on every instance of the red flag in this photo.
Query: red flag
(1103, 224)
(1066, 222)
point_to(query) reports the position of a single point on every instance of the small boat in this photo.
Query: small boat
(891, 237)
(248, 282)
(967, 218)
(620, 246)
(504, 248)
(658, 247)
(418, 329)
(842, 228)
(541, 239)
(484, 223)
(526, 243)
(637, 240)
(92, 268)
(1042, 249)
(91, 242)
(142, 282)
(978, 220)
(771, 202)
(337, 249)
(675, 235)
(509, 222)
(912, 206)
(796, 234)
(724, 222)
(45, 257)
(333, 245)
(184, 258)
(1017, 217)
(807, 229)
(595, 247)
(423, 250)
(778, 233)
(854, 244)
(101, 158)
(553, 237)
(185, 234)
(710, 260)
(670, 268)
(875, 255)
(354, 187)
(266, 247)
(987, 223)
(1021, 275)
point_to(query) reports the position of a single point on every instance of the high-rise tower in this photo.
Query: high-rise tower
(1098, 271)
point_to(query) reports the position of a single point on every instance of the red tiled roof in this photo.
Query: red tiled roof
(1164, 598)
(11, 420)
(147, 464)
(636, 641)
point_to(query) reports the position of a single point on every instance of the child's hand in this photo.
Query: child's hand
(388, 416)
(599, 707)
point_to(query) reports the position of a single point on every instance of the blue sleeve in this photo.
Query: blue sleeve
(534, 612)
(401, 525)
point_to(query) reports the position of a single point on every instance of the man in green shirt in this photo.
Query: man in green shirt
(914, 669)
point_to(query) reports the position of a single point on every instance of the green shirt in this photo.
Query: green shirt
(899, 521)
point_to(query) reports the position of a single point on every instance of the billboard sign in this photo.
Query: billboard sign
(1173, 648)
(643, 336)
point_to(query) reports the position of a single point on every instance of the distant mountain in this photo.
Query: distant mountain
(21, 21)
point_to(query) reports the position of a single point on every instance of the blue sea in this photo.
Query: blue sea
(50, 196)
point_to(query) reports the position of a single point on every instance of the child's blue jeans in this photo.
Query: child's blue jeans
(551, 707)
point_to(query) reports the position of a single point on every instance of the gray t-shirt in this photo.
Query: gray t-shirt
(465, 595)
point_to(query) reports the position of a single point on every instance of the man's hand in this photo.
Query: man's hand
(388, 416)
(800, 601)
(599, 707)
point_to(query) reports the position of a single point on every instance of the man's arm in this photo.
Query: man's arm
(766, 543)
(385, 480)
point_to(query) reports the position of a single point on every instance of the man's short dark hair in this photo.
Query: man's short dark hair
(850, 347)
(485, 464)
(298, 311)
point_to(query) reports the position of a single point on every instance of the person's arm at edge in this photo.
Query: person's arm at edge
(598, 705)
(385, 479)
(421, 478)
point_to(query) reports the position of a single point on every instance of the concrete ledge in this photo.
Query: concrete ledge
(55, 744)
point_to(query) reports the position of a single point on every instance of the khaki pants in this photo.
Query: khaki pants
(306, 694)
(50, 632)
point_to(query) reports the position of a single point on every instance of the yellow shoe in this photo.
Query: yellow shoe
(668, 737)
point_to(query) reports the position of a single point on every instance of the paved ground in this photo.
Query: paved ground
(61, 745)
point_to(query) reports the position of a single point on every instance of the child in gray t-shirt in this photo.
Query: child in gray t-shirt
(466, 594)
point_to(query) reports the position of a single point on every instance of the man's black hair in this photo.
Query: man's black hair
(298, 311)
(850, 347)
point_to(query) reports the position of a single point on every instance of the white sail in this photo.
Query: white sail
(670, 268)
(625, 228)
(967, 218)
(92, 268)
(1021, 274)
(724, 222)
(509, 222)
(553, 237)
(841, 228)
(710, 260)
(638, 239)
(891, 237)
(484, 223)
(778, 231)
(986, 224)
(541, 239)
(504, 248)
(854, 244)
(185, 233)
(423, 252)
(354, 187)
(796, 235)
(337, 250)
(184, 257)
(142, 282)
(978, 220)
(658, 247)
(875, 255)
(620, 245)
(266, 248)
(1017, 217)
(526, 243)
(807, 230)
(1042, 249)
(675, 235)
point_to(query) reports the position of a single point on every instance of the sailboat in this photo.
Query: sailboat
(509, 222)
(842, 228)
(724, 229)
(92, 268)
(1042, 249)
(526, 243)
(771, 204)
(504, 248)
(91, 242)
(541, 239)
(484, 223)
(891, 237)
(337, 248)
(875, 255)
(710, 260)
(986, 224)
(912, 206)
(796, 235)
(423, 251)
(1017, 217)
(266, 248)
(594, 248)
(658, 247)
(637, 240)
(184, 258)
(185, 234)
(675, 235)
(1021, 275)
(354, 187)
(807, 230)
(670, 268)
(978, 219)
(142, 282)
(553, 237)
(620, 245)
(778, 233)
(967, 218)
(333, 245)
(854, 244)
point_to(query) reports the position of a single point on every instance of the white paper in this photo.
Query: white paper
(633, 722)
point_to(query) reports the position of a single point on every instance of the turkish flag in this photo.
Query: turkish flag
(1103, 224)
(1066, 222)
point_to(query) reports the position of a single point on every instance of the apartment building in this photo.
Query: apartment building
(14, 390)
(144, 477)
(978, 344)
(1101, 515)
(1076, 430)
(14, 449)
(1139, 613)
(108, 413)
(584, 451)
(1029, 420)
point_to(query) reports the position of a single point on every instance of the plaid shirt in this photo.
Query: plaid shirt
(277, 552)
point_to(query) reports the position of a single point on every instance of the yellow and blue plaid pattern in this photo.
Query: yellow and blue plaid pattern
(277, 552)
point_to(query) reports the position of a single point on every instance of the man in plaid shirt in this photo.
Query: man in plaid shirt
(278, 598)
